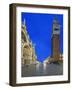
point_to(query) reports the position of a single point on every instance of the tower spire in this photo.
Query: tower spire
(55, 20)
(24, 22)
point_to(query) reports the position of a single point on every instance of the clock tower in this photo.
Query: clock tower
(55, 40)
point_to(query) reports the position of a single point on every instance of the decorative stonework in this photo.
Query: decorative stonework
(28, 55)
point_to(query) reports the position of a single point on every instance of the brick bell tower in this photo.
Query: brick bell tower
(55, 40)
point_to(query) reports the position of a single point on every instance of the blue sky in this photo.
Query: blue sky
(39, 28)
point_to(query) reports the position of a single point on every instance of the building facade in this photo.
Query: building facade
(28, 55)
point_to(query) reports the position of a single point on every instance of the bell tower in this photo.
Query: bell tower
(55, 40)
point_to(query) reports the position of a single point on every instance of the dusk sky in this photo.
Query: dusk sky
(39, 28)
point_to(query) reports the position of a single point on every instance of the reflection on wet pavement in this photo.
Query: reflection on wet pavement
(41, 69)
